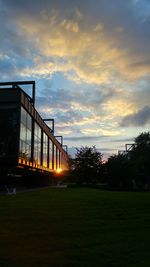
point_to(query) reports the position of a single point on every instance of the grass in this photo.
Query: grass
(74, 228)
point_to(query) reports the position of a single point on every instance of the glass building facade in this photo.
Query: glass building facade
(46, 154)
(25, 138)
(50, 154)
(25, 135)
(45, 150)
(37, 144)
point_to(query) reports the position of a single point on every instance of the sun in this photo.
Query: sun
(58, 170)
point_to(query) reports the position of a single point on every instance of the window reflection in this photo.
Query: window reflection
(50, 154)
(55, 157)
(45, 149)
(45, 155)
(37, 144)
(25, 135)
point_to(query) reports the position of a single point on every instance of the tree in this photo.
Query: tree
(118, 169)
(143, 139)
(131, 169)
(140, 157)
(87, 165)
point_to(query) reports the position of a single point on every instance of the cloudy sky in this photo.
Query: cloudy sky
(91, 63)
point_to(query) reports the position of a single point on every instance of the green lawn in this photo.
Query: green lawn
(75, 228)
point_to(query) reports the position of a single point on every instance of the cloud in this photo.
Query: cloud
(140, 118)
(88, 111)
(90, 60)
(83, 138)
(106, 151)
(97, 46)
(7, 67)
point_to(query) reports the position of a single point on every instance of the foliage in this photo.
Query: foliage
(140, 157)
(131, 169)
(87, 165)
(118, 171)
(142, 139)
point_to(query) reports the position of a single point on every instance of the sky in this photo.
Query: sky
(90, 60)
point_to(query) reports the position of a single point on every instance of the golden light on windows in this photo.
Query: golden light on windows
(59, 170)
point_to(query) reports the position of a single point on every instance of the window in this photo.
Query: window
(25, 135)
(45, 149)
(37, 144)
(59, 166)
(55, 157)
(50, 154)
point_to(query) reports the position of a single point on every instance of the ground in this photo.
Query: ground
(73, 227)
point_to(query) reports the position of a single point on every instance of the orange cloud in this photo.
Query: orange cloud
(91, 53)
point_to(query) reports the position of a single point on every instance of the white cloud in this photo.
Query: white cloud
(102, 50)
(92, 52)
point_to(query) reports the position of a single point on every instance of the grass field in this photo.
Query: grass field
(75, 228)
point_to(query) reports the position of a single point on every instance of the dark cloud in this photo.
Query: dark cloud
(124, 140)
(120, 21)
(141, 95)
(121, 140)
(59, 104)
(106, 152)
(141, 118)
(92, 97)
(68, 117)
(83, 138)
(13, 41)
(104, 137)
(72, 107)
(145, 63)
(30, 30)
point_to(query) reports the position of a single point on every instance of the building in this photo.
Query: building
(26, 140)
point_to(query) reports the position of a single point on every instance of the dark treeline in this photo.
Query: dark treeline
(129, 170)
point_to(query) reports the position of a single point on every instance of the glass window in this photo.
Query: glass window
(29, 122)
(54, 157)
(25, 135)
(23, 132)
(50, 154)
(37, 144)
(45, 149)
(59, 160)
(23, 115)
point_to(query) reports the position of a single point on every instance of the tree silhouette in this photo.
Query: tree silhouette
(140, 157)
(87, 165)
(119, 171)
(131, 169)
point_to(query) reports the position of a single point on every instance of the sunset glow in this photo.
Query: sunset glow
(91, 64)
(58, 171)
